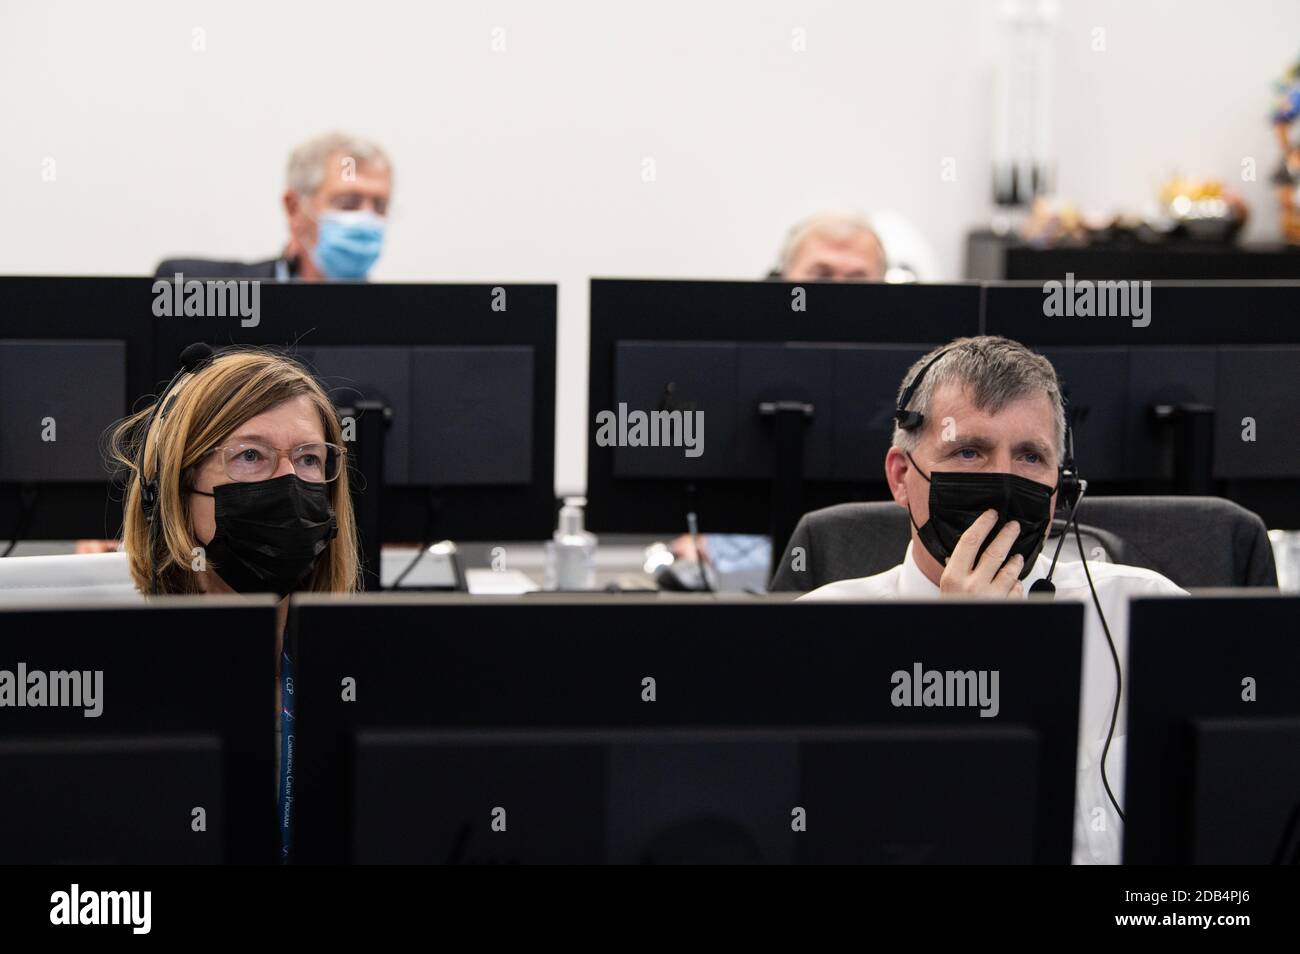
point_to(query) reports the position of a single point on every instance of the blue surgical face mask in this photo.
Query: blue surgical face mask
(348, 243)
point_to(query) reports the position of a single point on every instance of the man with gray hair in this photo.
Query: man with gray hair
(336, 202)
(832, 246)
(977, 461)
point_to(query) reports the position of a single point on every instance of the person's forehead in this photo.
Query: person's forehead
(373, 172)
(1029, 412)
(858, 242)
(293, 421)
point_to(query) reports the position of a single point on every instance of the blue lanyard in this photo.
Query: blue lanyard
(285, 801)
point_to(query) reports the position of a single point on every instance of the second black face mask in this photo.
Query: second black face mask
(958, 498)
(270, 533)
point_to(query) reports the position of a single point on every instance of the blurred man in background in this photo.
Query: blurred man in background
(336, 203)
(833, 246)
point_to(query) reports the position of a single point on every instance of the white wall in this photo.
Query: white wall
(525, 165)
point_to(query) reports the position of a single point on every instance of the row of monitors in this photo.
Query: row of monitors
(57, 398)
(468, 372)
(433, 730)
(853, 391)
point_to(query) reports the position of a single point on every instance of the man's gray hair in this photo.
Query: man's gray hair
(838, 225)
(994, 372)
(307, 162)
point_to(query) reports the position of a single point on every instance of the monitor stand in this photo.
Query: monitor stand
(789, 427)
(369, 421)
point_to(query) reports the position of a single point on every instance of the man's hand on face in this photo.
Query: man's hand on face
(963, 575)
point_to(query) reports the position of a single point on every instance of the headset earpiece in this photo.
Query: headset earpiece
(1067, 486)
(191, 359)
(1069, 483)
(912, 420)
(908, 420)
(149, 498)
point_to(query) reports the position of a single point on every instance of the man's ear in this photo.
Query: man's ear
(294, 212)
(896, 468)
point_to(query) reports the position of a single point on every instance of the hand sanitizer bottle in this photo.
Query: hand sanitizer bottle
(571, 553)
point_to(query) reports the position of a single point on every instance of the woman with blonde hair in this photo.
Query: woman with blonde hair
(214, 506)
(239, 484)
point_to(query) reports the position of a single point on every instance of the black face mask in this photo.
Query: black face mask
(270, 533)
(957, 499)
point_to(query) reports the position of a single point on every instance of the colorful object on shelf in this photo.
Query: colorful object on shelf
(1203, 208)
(1287, 178)
(1053, 222)
(1198, 209)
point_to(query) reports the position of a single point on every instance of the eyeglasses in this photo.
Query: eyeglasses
(251, 461)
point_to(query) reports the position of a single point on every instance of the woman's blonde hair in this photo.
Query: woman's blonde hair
(202, 410)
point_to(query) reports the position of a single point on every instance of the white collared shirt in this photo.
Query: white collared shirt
(1098, 837)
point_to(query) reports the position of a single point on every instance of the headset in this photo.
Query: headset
(192, 359)
(1072, 489)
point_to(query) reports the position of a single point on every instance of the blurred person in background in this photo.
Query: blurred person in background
(832, 246)
(336, 205)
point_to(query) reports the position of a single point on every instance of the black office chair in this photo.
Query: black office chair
(1194, 541)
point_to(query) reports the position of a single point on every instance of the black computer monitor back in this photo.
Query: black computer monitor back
(1200, 398)
(1182, 313)
(724, 349)
(415, 713)
(1213, 749)
(467, 372)
(74, 354)
(57, 401)
(672, 796)
(186, 721)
